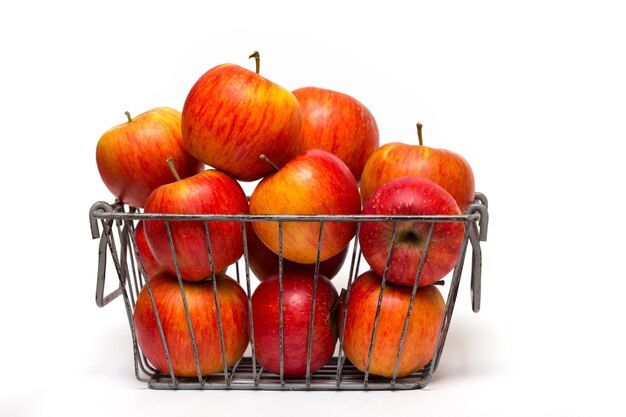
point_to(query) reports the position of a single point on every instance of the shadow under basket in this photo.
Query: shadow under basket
(114, 224)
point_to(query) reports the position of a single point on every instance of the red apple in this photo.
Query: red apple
(422, 331)
(411, 196)
(209, 192)
(297, 301)
(314, 182)
(150, 264)
(232, 115)
(233, 305)
(446, 168)
(131, 156)
(338, 123)
(264, 263)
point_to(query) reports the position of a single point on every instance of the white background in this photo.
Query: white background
(533, 94)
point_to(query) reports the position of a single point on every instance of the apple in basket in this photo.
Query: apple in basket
(446, 168)
(421, 335)
(411, 196)
(297, 300)
(171, 313)
(131, 156)
(265, 263)
(316, 182)
(209, 192)
(232, 115)
(338, 123)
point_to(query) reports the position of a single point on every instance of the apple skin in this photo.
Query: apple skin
(422, 332)
(297, 301)
(232, 115)
(233, 304)
(264, 263)
(338, 123)
(412, 196)
(209, 192)
(314, 182)
(446, 168)
(131, 156)
(150, 264)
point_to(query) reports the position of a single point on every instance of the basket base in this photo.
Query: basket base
(244, 376)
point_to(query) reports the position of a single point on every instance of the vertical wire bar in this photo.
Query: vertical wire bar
(454, 289)
(237, 272)
(185, 305)
(340, 356)
(380, 301)
(217, 305)
(249, 294)
(123, 247)
(313, 302)
(145, 366)
(156, 313)
(280, 304)
(410, 309)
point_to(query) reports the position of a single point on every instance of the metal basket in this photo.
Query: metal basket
(117, 243)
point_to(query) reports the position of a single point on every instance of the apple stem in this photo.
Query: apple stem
(257, 60)
(127, 113)
(268, 161)
(170, 163)
(419, 133)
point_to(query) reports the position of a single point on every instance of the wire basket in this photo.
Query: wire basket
(114, 224)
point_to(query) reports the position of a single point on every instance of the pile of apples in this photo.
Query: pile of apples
(315, 152)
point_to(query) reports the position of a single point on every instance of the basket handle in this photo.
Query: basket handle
(101, 299)
(477, 234)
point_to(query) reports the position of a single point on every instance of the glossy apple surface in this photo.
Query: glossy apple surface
(422, 332)
(131, 156)
(411, 196)
(338, 123)
(297, 302)
(314, 182)
(265, 263)
(209, 192)
(232, 115)
(446, 168)
(233, 305)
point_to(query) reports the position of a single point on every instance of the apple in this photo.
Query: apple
(422, 331)
(338, 123)
(314, 182)
(131, 156)
(232, 115)
(150, 264)
(264, 263)
(446, 168)
(209, 192)
(411, 196)
(233, 307)
(297, 302)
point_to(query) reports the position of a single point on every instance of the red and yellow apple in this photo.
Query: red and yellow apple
(314, 182)
(338, 123)
(209, 192)
(446, 168)
(131, 156)
(233, 306)
(422, 331)
(232, 115)
(411, 196)
(265, 263)
(297, 303)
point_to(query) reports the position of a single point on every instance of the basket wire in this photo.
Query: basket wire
(117, 242)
